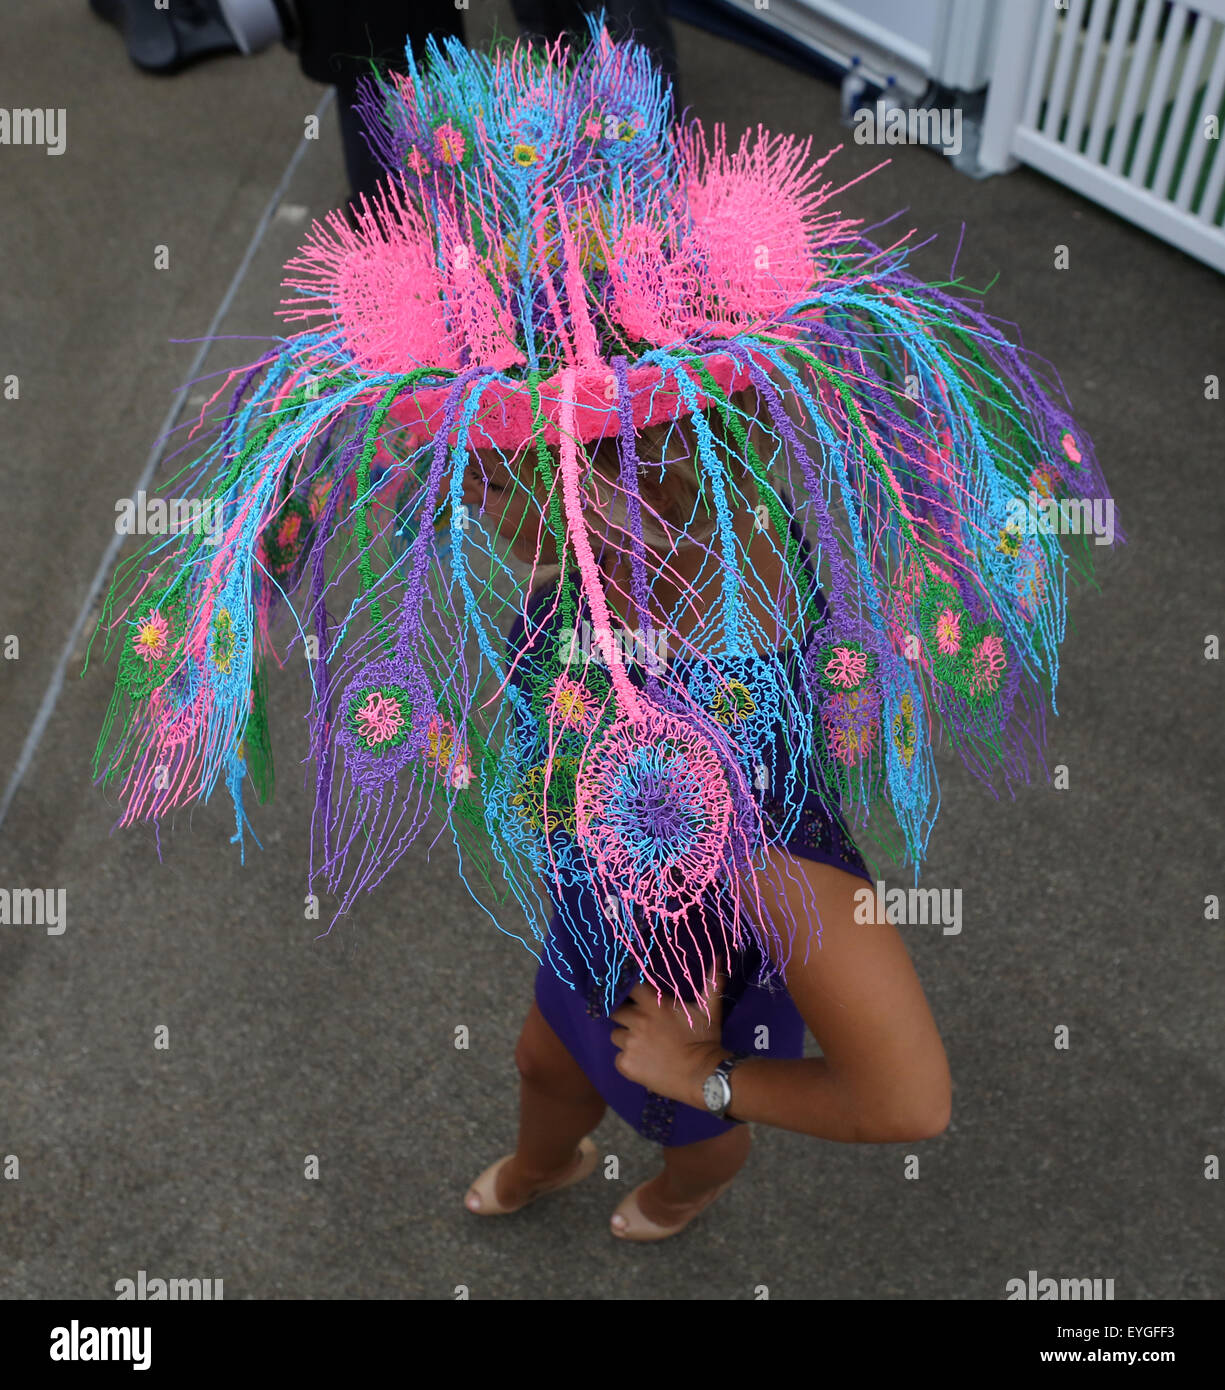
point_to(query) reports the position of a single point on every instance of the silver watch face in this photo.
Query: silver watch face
(717, 1092)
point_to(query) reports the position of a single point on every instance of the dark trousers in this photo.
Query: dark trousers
(337, 40)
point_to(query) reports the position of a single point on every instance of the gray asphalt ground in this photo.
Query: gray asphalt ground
(1083, 907)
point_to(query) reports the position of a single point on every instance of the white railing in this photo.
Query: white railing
(1123, 111)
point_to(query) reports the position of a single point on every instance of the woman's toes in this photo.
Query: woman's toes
(473, 1200)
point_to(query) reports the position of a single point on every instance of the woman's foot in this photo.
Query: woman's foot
(507, 1186)
(654, 1212)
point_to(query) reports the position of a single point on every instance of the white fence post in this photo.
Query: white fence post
(1016, 41)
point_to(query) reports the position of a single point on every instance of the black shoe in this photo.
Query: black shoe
(167, 41)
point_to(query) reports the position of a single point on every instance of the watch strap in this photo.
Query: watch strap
(724, 1070)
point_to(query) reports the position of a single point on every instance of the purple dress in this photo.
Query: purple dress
(572, 993)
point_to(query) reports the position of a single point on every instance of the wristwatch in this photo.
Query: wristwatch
(717, 1090)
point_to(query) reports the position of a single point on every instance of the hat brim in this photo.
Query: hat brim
(504, 421)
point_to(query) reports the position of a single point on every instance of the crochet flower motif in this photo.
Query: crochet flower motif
(441, 743)
(661, 806)
(852, 723)
(846, 668)
(154, 646)
(386, 710)
(988, 661)
(733, 704)
(570, 703)
(562, 702)
(380, 718)
(1042, 481)
(152, 637)
(450, 144)
(440, 753)
(1069, 447)
(224, 641)
(524, 155)
(905, 735)
(948, 632)
(653, 809)
(1009, 542)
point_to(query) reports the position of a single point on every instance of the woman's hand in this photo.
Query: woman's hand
(659, 1049)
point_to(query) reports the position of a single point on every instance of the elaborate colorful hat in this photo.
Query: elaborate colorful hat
(551, 262)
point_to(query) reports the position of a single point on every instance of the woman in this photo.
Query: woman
(630, 345)
(883, 1076)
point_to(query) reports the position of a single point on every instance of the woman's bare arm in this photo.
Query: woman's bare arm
(884, 1076)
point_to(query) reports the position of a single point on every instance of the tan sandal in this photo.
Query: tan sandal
(639, 1227)
(486, 1186)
